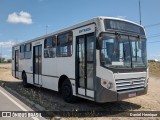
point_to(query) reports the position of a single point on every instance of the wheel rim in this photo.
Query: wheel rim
(66, 91)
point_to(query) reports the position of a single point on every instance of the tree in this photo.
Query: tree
(2, 59)
(9, 60)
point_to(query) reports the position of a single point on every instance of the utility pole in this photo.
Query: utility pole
(16, 41)
(46, 28)
(140, 21)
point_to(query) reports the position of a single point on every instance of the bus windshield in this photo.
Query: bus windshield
(122, 51)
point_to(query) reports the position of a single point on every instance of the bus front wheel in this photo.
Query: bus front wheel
(67, 92)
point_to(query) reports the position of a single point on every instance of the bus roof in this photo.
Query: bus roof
(84, 23)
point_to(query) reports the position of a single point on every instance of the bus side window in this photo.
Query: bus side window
(28, 51)
(22, 50)
(69, 46)
(49, 47)
(64, 44)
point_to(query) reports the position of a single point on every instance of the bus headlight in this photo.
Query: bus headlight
(107, 84)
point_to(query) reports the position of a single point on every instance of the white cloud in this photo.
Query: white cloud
(7, 44)
(22, 17)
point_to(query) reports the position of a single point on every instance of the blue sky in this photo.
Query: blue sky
(21, 20)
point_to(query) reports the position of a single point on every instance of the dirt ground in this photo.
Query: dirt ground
(53, 101)
(5, 73)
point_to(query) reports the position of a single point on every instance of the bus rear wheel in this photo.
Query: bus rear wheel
(24, 78)
(67, 92)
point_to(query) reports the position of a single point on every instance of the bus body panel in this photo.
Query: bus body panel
(13, 67)
(50, 82)
(30, 78)
(108, 76)
(129, 75)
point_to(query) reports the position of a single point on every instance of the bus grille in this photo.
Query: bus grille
(129, 84)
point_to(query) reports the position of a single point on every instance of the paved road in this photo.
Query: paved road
(10, 103)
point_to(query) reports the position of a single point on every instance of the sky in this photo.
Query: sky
(22, 20)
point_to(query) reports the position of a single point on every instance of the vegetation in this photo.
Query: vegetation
(154, 69)
(3, 60)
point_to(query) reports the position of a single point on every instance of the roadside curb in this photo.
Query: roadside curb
(37, 106)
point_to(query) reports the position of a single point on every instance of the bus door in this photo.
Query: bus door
(17, 63)
(85, 49)
(37, 64)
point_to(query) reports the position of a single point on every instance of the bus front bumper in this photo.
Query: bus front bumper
(110, 96)
(104, 95)
(131, 93)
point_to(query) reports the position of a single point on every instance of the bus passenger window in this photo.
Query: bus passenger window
(64, 44)
(49, 47)
(28, 51)
(22, 50)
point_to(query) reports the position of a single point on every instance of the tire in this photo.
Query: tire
(24, 78)
(67, 92)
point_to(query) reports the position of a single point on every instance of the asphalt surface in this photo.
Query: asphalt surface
(12, 108)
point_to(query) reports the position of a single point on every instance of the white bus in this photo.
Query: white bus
(102, 59)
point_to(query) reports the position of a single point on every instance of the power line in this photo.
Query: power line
(154, 42)
(153, 36)
(152, 25)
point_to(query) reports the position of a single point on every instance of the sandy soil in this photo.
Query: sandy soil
(6, 73)
(53, 101)
(6, 65)
(151, 101)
